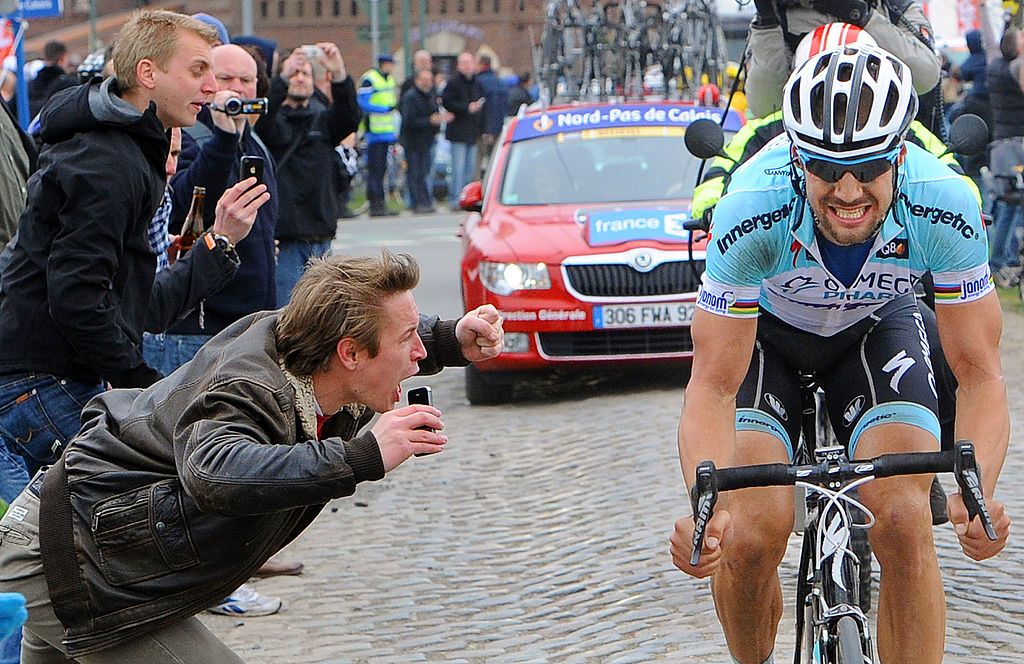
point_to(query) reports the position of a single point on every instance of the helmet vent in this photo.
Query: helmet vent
(845, 72)
(839, 113)
(891, 98)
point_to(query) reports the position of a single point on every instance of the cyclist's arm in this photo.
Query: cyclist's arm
(970, 335)
(707, 427)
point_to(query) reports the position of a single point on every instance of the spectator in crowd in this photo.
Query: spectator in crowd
(421, 120)
(900, 28)
(1005, 83)
(421, 59)
(52, 78)
(301, 133)
(222, 31)
(266, 47)
(463, 97)
(520, 94)
(378, 98)
(14, 171)
(210, 157)
(78, 284)
(495, 109)
(250, 440)
(975, 100)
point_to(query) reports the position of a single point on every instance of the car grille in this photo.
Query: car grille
(616, 280)
(616, 342)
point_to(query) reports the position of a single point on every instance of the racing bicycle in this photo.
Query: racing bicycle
(831, 627)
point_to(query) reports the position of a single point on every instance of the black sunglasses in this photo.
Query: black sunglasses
(832, 172)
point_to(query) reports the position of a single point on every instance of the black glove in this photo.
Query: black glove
(856, 12)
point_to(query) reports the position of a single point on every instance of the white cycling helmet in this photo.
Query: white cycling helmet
(851, 104)
(829, 37)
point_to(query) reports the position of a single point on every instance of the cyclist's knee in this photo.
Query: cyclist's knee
(903, 528)
(763, 521)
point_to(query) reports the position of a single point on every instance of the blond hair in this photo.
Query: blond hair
(152, 35)
(339, 297)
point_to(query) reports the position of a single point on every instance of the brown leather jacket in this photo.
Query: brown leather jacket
(170, 497)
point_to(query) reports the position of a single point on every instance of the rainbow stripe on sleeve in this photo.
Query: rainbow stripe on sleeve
(744, 308)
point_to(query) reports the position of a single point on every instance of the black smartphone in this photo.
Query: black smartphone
(252, 167)
(425, 396)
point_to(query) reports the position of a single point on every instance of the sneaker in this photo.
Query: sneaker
(247, 602)
(424, 209)
(382, 212)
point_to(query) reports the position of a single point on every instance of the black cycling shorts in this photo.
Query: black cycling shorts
(875, 372)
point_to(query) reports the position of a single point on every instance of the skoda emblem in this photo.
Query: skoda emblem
(642, 261)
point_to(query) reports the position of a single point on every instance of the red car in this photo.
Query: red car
(578, 239)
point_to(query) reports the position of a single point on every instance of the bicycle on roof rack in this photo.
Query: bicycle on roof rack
(831, 627)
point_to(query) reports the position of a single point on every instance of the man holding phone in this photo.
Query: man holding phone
(211, 156)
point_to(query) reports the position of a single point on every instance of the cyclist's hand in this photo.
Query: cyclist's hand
(718, 534)
(973, 541)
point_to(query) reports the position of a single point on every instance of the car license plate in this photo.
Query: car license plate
(655, 314)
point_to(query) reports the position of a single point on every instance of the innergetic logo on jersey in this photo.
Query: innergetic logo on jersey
(852, 410)
(937, 215)
(776, 405)
(898, 248)
(764, 221)
(543, 123)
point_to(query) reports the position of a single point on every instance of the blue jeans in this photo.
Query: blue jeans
(1005, 238)
(39, 414)
(291, 263)
(419, 162)
(167, 352)
(463, 165)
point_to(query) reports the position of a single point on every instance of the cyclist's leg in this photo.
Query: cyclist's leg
(748, 596)
(884, 402)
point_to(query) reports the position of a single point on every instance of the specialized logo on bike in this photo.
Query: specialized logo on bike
(936, 215)
(776, 405)
(763, 221)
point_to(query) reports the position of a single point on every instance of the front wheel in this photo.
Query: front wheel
(849, 648)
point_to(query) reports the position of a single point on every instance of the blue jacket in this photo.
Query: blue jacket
(212, 161)
(974, 67)
(496, 107)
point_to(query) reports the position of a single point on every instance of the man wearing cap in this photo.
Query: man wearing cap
(378, 98)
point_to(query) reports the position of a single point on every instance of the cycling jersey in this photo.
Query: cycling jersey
(763, 252)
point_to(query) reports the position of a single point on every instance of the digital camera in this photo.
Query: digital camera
(238, 106)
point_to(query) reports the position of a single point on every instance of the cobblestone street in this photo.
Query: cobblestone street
(541, 534)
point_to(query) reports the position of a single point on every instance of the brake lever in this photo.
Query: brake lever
(968, 476)
(703, 497)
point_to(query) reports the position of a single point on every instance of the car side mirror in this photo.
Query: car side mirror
(472, 197)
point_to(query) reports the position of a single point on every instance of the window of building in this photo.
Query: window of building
(444, 6)
(264, 8)
(391, 7)
(497, 6)
(353, 10)
(479, 6)
(300, 8)
(522, 5)
(460, 6)
(318, 8)
(280, 9)
(336, 7)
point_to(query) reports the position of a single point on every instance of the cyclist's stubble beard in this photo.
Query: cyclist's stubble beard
(827, 200)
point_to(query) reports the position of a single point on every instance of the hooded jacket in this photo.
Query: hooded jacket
(50, 80)
(974, 67)
(77, 286)
(171, 497)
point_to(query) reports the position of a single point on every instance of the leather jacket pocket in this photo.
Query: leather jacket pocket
(142, 534)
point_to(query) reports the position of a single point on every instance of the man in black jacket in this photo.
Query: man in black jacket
(77, 287)
(14, 171)
(211, 151)
(231, 457)
(302, 133)
(51, 79)
(464, 99)
(421, 119)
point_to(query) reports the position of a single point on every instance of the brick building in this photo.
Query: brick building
(506, 29)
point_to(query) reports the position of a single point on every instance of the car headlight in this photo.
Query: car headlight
(506, 278)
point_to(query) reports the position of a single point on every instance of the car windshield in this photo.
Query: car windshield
(600, 166)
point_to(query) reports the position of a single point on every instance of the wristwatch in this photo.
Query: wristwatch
(218, 241)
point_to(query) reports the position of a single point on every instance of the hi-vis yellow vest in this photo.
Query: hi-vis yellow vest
(385, 93)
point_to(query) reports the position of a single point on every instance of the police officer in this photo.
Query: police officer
(378, 97)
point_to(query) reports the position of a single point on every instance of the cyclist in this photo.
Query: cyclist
(811, 267)
(757, 133)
